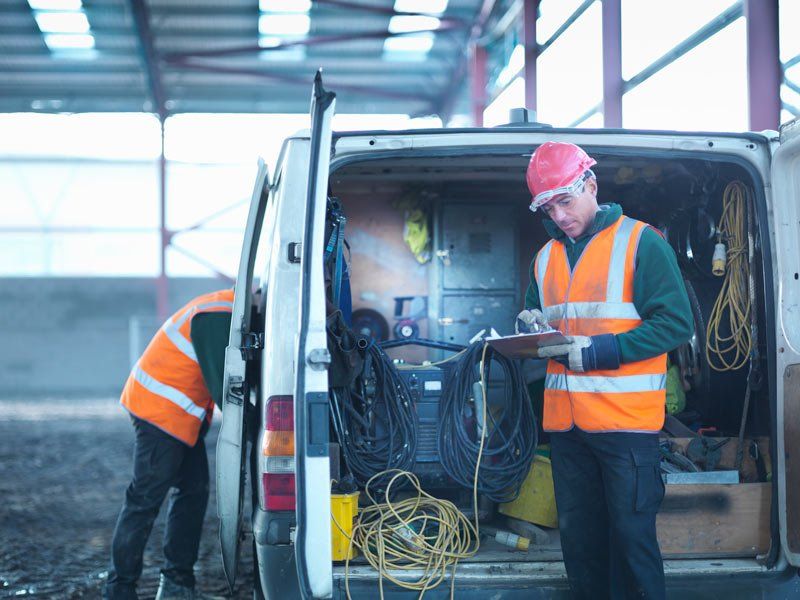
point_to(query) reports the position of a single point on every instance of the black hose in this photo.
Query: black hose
(512, 435)
(375, 421)
(422, 342)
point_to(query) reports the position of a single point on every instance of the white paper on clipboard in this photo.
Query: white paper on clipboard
(525, 345)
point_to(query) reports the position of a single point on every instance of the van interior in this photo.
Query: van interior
(439, 248)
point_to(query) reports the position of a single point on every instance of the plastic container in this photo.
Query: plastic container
(537, 500)
(344, 508)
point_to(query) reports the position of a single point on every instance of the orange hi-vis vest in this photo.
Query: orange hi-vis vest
(166, 386)
(596, 297)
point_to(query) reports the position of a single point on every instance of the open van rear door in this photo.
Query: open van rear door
(312, 470)
(232, 441)
(786, 208)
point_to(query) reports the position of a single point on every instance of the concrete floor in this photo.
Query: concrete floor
(64, 467)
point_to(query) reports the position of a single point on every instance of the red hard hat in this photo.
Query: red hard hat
(555, 168)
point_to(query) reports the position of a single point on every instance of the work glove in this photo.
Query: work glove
(583, 353)
(530, 321)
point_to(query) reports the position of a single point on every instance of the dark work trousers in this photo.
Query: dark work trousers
(160, 462)
(608, 490)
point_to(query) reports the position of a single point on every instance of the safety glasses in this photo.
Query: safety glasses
(565, 192)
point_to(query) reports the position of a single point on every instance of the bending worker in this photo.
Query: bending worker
(170, 395)
(612, 285)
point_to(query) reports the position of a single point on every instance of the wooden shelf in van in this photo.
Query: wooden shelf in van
(730, 520)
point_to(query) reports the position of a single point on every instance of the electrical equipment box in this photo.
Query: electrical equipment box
(427, 382)
(474, 279)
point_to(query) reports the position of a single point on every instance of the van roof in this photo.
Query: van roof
(749, 135)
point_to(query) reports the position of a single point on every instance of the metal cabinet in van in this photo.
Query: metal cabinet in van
(275, 430)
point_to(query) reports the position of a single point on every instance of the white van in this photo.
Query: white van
(716, 538)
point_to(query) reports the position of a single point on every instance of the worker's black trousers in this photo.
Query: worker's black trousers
(160, 462)
(608, 490)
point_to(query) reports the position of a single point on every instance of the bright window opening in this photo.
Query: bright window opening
(704, 90)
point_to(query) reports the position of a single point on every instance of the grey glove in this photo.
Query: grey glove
(584, 353)
(530, 321)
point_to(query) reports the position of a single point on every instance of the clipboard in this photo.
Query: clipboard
(525, 345)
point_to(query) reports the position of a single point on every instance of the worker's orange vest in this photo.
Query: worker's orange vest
(593, 298)
(166, 386)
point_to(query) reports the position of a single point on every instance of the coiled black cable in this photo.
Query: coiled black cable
(511, 435)
(375, 421)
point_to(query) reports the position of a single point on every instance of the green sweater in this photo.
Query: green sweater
(659, 294)
(210, 333)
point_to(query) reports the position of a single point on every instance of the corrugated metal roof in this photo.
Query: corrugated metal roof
(114, 77)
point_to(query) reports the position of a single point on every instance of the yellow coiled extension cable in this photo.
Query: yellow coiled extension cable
(729, 348)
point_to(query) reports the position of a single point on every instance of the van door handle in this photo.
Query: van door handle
(444, 321)
(444, 255)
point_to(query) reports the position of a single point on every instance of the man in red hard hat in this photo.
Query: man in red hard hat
(612, 285)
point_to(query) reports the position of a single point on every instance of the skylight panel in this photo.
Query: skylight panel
(408, 48)
(284, 6)
(62, 22)
(270, 41)
(403, 23)
(291, 54)
(431, 7)
(55, 4)
(69, 41)
(284, 24)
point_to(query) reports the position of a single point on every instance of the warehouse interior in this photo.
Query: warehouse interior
(133, 138)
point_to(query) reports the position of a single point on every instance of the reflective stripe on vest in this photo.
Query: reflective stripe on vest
(624, 384)
(172, 394)
(591, 310)
(596, 297)
(166, 386)
(172, 329)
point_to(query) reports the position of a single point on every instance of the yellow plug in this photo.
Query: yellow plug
(718, 260)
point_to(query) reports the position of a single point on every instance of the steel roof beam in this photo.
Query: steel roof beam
(791, 85)
(791, 62)
(318, 40)
(300, 80)
(791, 108)
(141, 19)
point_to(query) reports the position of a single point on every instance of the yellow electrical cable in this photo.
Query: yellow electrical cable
(729, 348)
(399, 535)
(385, 534)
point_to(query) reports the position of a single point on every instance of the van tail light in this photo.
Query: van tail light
(277, 479)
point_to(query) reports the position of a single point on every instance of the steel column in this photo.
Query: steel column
(530, 12)
(763, 64)
(444, 105)
(612, 64)
(478, 68)
(162, 281)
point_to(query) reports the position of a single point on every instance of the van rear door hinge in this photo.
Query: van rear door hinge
(252, 344)
(319, 359)
(236, 391)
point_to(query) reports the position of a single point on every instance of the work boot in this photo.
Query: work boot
(170, 590)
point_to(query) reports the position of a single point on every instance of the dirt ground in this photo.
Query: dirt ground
(64, 467)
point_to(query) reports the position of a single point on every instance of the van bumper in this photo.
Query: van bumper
(275, 554)
(686, 579)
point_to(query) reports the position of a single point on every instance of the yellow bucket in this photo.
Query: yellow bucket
(537, 500)
(344, 508)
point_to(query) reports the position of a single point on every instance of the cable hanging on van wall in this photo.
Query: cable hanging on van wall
(730, 348)
(729, 336)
